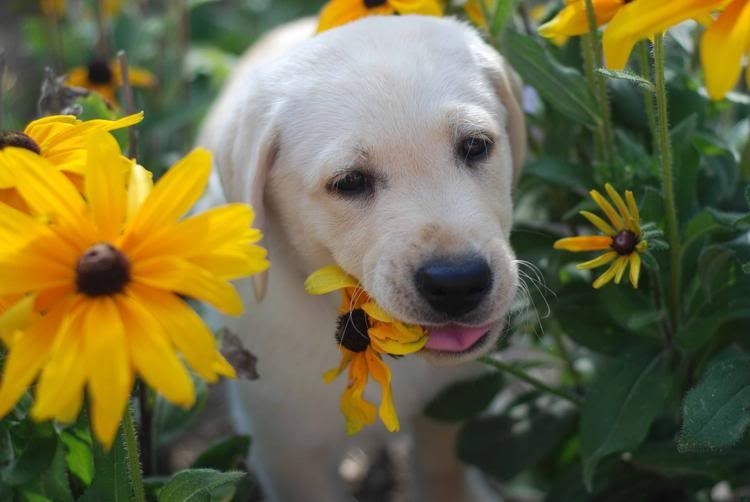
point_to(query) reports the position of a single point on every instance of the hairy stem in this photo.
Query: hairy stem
(667, 175)
(133, 458)
(644, 62)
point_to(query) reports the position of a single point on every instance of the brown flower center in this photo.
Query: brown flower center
(374, 3)
(624, 243)
(351, 331)
(102, 270)
(100, 72)
(18, 139)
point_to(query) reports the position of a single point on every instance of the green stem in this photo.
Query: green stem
(670, 208)
(644, 62)
(537, 384)
(601, 87)
(589, 70)
(563, 351)
(134, 462)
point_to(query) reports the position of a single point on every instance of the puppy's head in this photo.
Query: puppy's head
(390, 147)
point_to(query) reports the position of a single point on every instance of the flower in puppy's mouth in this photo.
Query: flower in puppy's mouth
(365, 332)
(623, 238)
(339, 12)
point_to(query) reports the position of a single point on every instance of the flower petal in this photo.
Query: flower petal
(110, 376)
(573, 20)
(329, 279)
(599, 223)
(598, 261)
(610, 211)
(621, 264)
(346, 357)
(339, 12)
(105, 185)
(621, 207)
(381, 374)
(185, 329)
(635, 269)
(584, 243)
(423, 7)
(723, 46)
(606, 277)
(152, 356)
(356, 410)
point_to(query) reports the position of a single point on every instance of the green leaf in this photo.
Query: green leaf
(36, 457)
(562, 87)
(110, 483)
(630, 77)
(79, 453)
(225, 454)
(716, 411)
(687, 157)
(732, 221)
(504, 445)
(557, 172)
(714, 269)
(194, 485)
(663, 457)
(51, 484)
(621, 404)
(463, 400)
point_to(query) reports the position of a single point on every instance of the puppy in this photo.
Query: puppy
(388, 146)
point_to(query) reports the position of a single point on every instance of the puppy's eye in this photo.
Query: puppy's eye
(352, 184)
(474, 149)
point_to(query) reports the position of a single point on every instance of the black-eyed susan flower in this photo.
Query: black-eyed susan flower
(105, 77)
(365, 333)
(103, 274)
(60, 139)
(723, 47)
(622, 240)
(57, 7)
(640, 19)
(573, 19)
(338, 12)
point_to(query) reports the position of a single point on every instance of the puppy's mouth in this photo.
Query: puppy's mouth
(456, 339)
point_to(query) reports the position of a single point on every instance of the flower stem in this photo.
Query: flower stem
(644, 62)
(665, 150)
(600, 87)
(537, 384)
(134, 462)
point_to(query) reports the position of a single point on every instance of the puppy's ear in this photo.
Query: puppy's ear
(507, 86)
(244, 142)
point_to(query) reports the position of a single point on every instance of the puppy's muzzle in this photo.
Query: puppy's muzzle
(454, 286)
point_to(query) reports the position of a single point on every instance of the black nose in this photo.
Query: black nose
(454, 286)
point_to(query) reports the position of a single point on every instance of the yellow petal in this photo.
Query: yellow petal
(106, 359)
(621, 264)
(606, 277)
(381, 374)
(356, 410)
(384, 344)
(723, 46)
(572, 20)
(105, 186)
(644, 18)
(329, 279)
(423, 7)
(599, 223)
(598, 261)
(633, 207)
(584, 243)
(140, 184)
(376, 312)
(152, 356)
(17, 317)
(179, 276)
(339, 12)
(621, 207)
(603, 203)
(174, 194)
(346, 357)
(635, 269)
(29, 352)
(184, 328)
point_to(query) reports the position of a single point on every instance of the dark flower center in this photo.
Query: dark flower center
(99, 72)
(374, 3)
(18, 139)
(624, 243)
(351, 331)
(102, 270)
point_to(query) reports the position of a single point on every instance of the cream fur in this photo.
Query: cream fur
(392, 95)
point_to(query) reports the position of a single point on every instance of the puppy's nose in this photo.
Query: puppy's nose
(452, 286)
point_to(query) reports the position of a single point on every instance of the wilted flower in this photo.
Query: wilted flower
(338, 12)
(102, 276)
(365, 333)
(622, 239)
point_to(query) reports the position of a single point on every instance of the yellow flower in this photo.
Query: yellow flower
(60, 139)
(623, 239)
(365, 332)
(573, 19)
(640, 19)
(57, 7)
(338, 12)
(105, 78)
(723, 46)
(103, 274)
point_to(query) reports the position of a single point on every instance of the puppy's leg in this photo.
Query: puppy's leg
(440, 475)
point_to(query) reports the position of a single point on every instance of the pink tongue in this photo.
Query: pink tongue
(453, 338)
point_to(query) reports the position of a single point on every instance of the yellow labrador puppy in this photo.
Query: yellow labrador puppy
(388, 146)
